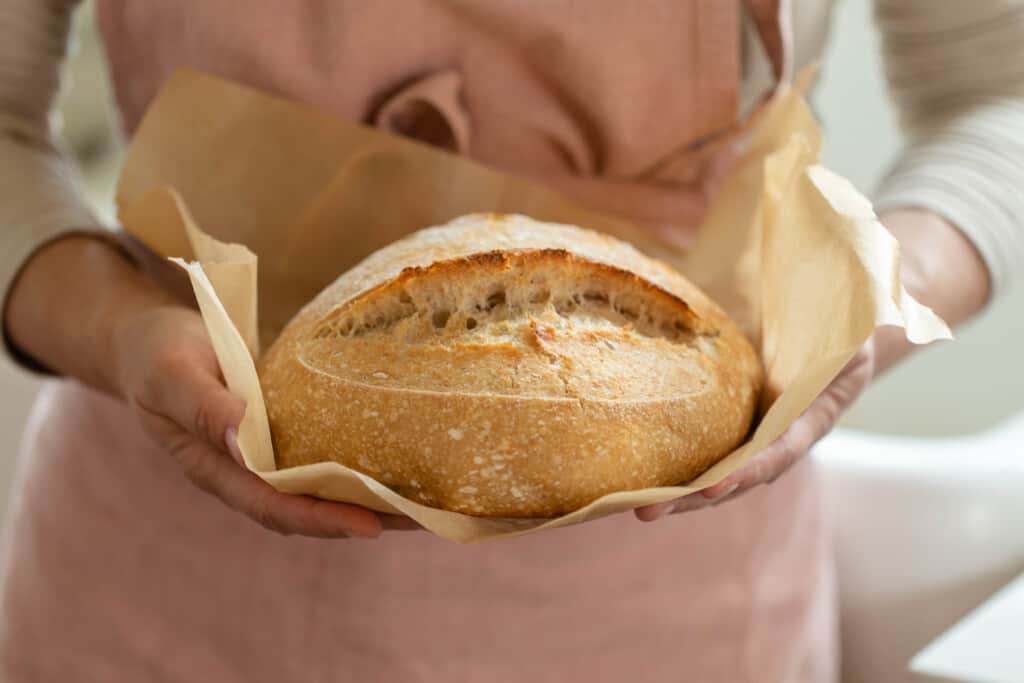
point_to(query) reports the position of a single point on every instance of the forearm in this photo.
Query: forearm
(67, 302)
(940, 268)
(39, 201)
(954, 73)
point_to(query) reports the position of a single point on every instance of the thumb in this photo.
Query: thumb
(189, 392)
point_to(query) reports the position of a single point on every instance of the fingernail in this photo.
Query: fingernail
(362, 526)
(231, 440)
(662, 511)
(714, 494)
(362, 533)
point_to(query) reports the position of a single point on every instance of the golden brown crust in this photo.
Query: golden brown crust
(499, 366)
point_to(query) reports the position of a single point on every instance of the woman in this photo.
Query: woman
(121, 568)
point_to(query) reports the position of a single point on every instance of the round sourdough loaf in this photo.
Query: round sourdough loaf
(499, 366)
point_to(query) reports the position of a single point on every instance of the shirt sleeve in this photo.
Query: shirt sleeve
(39, 199)
(956, 73)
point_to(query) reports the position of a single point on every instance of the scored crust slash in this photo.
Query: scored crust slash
(500, 366)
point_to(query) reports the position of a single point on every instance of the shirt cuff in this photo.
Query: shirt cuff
(40, 204)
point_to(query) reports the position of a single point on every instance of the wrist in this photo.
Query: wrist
(940, 268)
(66, 303)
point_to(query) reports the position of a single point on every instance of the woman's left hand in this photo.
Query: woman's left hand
(781, 454)
(940, 268)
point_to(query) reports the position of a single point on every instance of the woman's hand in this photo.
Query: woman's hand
(781, 454)
(941, 269)
(80, 308)
(169, 374)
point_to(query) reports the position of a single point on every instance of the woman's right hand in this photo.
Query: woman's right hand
(80, 308)
(169, 375)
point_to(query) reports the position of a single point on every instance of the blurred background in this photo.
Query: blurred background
(947, 390)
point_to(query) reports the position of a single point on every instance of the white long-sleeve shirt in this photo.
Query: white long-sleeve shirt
(956, 74)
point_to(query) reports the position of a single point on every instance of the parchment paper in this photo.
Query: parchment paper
(790, 249)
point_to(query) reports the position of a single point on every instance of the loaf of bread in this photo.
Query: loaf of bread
(499, 366)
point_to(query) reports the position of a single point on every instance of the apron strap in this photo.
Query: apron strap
(773, 21)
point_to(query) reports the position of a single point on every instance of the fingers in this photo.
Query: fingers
(694, 501)
(283, 512)
(186, 388)
(764, 467)
(399, 523)
(174, 381)
(781, 454)
(245, 492)
(650, 513)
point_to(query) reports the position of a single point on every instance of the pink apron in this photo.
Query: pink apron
(117, 568)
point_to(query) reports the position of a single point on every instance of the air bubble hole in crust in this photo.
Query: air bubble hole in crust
(540, 296)
(627, 312)
(440, 319)
(565, 307)
(496, 299)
